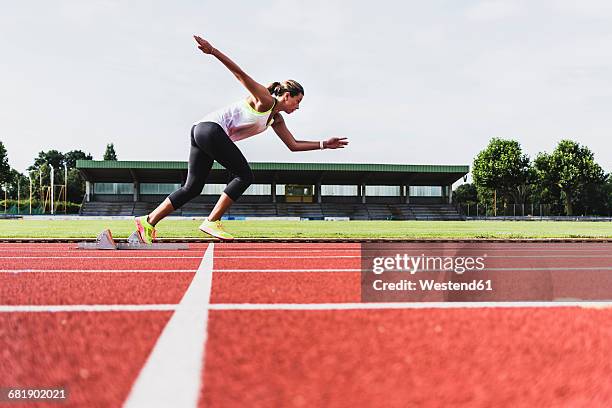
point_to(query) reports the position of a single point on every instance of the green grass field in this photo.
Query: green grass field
(172, 228)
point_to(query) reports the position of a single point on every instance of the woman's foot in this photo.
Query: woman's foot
(215, 228)
(145, 230)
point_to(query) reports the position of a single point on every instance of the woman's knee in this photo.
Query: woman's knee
(192, 190)
(246, 177)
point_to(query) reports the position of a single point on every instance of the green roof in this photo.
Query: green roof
(268, 166)
(283, 173)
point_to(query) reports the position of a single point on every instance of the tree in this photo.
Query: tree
(52, 158)
(466, 194)
(110, 154)
(607, 187)
(15, 178)
(76, 183)
(5, 168)
(569, 173)
(502, 167)
(72, 156)
(76, 186)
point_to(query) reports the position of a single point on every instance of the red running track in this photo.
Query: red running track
(479, 357)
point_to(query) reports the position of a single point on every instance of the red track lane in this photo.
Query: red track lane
(305, 262)
(354, 263)
(524, 252)
(32, 254)
(286, 287)
(97, 356)
(90, 288)
(222, 246)
(101, 264)
(399, 358)
(340, 287)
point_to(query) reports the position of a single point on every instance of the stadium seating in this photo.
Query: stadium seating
(354, 211)
(302, 210)
(435, 212)
(107, 208)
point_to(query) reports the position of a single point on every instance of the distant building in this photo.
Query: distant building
(308, 190)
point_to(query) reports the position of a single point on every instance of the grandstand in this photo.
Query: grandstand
(287, 190)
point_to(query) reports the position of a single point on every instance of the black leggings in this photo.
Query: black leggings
(209, 142)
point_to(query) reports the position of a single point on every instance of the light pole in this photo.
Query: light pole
(30, 177)
(42, 193)
(65, 188)
(52, 174)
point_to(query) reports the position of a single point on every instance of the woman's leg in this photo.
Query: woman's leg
(223, 204)
(199, 166)
(160, 212)
(218, 145)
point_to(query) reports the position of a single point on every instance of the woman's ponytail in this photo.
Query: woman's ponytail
(275, 88)
(291, 86)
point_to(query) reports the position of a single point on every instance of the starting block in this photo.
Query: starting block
(105, 241)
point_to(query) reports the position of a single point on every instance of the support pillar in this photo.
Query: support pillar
(450, 193)
(88, 191)
(274, 192)
(136, 191)
(318, 192)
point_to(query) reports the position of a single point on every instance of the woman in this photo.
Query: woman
(213, 137)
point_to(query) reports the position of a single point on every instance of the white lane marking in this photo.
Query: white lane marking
(86, 308)
(176, 257)
(408, 248)
(305, 306)
(171, 376)
(595, 268)
(311, 270)
(94, 270)
(264, 257)
(114, 258)
(405, 305)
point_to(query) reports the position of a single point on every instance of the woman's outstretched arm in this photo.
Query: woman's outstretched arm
(301, 145)
(259, 92)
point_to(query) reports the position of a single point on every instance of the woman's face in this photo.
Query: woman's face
(292, 103)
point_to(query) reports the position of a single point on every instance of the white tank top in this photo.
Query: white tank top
(240, 120)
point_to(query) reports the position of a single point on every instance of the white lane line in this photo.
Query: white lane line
(264, 257)
(408, 248)
(305, 306)
(94, 270)
(114, 258)
(311, 270)
(86, 308)
(175, 257)
(171, 376)
(288, 270)
(595, 268)
(405, 305)
(428, 254)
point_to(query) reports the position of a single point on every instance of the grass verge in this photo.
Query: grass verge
(175, 228)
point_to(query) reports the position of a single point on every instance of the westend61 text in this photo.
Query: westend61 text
(430, 284)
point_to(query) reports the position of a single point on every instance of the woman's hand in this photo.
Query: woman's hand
(203, 45)
(335, 143)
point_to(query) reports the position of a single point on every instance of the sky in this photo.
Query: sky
(408, 82)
